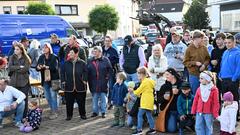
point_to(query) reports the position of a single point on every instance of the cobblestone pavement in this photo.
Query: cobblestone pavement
(91, 126)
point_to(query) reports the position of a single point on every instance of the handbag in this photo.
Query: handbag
(161, 119)
(56, 84)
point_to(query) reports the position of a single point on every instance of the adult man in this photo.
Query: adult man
(99, 71)
(8, 105)
(174, 52)
(112, 55)
(196, 59)
(230, 68)
(169, 36)
(25, 42)
(186, 37)
(55, 43)
(132, 57)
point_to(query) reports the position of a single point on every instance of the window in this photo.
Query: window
(20, 9)
(7, 10)
(66, 9)
(237, 24)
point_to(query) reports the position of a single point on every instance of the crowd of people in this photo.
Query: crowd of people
(193, 81)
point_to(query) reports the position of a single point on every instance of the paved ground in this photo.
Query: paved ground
(91, 126)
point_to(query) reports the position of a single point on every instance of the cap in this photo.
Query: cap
(128, 39)
(228, 96)
(131, 84)
(24, 39)
(185, 85)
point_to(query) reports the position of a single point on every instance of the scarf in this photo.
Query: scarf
(205, 91)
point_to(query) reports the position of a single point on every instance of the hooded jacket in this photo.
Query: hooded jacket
(228, 117)
(145, 90)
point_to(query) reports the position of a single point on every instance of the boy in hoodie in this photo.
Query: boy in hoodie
(184, 105)
(230, 68)
(228, 115)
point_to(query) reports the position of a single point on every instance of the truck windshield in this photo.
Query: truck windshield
(71, 31)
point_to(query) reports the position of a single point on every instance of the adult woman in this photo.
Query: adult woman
(75, 78)
(157, 65)
(48, 61)
(168, 94)
(3, 69)
(34, 55)
(99, 71)
(19, 64)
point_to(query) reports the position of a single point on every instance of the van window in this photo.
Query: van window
(70, 32)
(10, 30)
(36, 30)
(57, 29)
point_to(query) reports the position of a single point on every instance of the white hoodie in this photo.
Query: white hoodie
(228, 117)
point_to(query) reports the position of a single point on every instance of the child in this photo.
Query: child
(228, 115)
(145, 90)
(117, 99)
(33, 119)
(205, 104)
(184, 105)
(130, 100)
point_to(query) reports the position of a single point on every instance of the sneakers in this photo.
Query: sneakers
(110, 107)
(68, 118)
(18, 124)
(151, 131)
(103, 115)
(137, 132)
(53, 116)
(133, 127)
(94, 115)
(83, 117)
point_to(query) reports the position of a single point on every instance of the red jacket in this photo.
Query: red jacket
(209, 107)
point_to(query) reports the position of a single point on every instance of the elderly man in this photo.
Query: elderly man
(132, 57)
(174, 52)
(8, 105)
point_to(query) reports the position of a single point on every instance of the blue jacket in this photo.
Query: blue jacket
(184, 104)
(119, 93)
(230, 65)
(99, 72)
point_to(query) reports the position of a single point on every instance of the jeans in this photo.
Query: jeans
(204, 124)
(18, 111)
(141, 112)
(194, 82)
(132, 77)
(51, 97)
(103, 102)
(172, 121)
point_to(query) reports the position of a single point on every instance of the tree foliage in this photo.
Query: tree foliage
(196, 17)
(103, 18)
(41, 8)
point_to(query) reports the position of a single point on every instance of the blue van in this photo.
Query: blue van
(14, 27)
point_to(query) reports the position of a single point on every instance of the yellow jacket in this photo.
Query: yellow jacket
(145, 90)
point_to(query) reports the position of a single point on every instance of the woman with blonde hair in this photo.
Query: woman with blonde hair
(19, 64)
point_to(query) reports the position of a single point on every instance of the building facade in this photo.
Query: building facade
(76, 12)
(224, 15)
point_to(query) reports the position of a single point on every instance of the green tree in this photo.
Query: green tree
(196, 17)
(41, 8)
(103, 18)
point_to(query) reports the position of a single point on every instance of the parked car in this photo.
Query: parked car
(151, 37)
(89, 40)
(98, 40)
(32, 26)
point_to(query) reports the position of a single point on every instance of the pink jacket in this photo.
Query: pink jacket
(209, 107)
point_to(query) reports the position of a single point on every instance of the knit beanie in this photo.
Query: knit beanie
(228, 96)
(131, 84)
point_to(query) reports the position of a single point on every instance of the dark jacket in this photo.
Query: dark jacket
(112, 55)
(99, 71)
(34, 117)
(74, 75)
(52, 62)
(131, 59)
(56, 47)
(217, 55)
(119, 93)
(184, 104)
(19, 77)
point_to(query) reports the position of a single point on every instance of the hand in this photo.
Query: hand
(7, 108)
(14, 105)
(175, 91)
(214, 62)
(39, 67)
(202, 68)
(198, 64)
(183, 117)
(166, 96)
